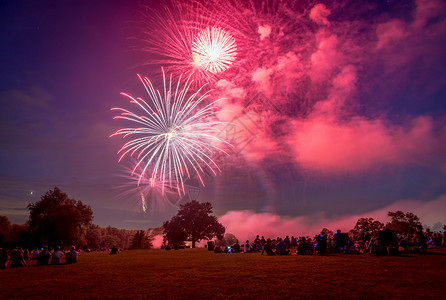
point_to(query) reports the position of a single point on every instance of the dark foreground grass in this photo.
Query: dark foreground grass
(197, 273)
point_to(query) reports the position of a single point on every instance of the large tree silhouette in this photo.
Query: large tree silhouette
(365, 226)
(195, 221)
(403, 223)
(58, 219)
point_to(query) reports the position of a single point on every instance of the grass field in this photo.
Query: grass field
(198, 273)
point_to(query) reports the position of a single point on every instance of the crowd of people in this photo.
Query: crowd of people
(19, 257)
(381, 242)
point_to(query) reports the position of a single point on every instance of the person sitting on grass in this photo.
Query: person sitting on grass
(246, 247)
(236, 247)
(303, 247)
(281, 248)
(258, 246)
(44, 256)
(17, 259)
(293, 242)
(114, 250)
(35, 253)
(71, 257)
(268, 248)
(56, 257)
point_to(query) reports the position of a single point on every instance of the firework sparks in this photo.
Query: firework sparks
(176, 137)
(147, 192)
(189, 38)
(214, 50)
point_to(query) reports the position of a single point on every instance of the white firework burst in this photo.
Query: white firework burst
(214, 49)
(177, 134)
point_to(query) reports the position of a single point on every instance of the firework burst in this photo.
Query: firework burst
(177, 135)
(214, 50)
(187, 37)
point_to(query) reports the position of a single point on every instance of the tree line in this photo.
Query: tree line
(59, 220)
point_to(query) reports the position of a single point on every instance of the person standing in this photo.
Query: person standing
(4, 255)
(421, 239)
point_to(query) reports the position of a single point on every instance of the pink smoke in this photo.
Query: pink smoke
(264, 31)
(360, 144)
(319, 14)
(157, 241)
(245, 225)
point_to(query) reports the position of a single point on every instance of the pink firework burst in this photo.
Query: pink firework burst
(214, 50)
(186, 37)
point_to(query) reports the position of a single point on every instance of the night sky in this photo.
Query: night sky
(341, 111)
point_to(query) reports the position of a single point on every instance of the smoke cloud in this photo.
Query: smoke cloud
(246, 225)
(309, 102)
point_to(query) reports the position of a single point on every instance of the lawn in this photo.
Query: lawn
(198, 273)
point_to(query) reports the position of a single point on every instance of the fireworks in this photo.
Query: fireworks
(176, 137)
(214, 50)
(189, 38)
(146, 191)
(255, 53)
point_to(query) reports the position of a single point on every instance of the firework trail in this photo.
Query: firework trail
(145, 191)
(155, 196)
(177, 135)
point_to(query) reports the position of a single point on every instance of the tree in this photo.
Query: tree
(110, 241)
(5, 230)
(403, 223)
(12, 235)
(93, 236)
(136, 242)
(124, 236)
(194, 221)
(141, 240)
(366, 226)
(58, 219)
(174, 233)
(96, 236)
